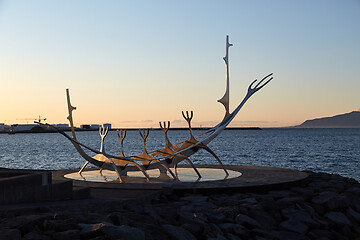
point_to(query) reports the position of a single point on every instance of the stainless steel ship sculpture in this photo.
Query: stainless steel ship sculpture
(172, 154)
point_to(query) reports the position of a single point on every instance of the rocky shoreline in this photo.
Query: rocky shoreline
(325, 207)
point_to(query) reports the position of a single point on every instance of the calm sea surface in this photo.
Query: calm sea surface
(320, 150)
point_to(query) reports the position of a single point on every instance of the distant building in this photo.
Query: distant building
(61, 126)
(23, 127)
(95, 126)
(85, 126)
(107, 125)
(3, 127)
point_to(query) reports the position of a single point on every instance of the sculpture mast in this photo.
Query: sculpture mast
(70, 109)
(225, 99)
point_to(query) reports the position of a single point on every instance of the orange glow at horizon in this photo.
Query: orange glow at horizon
(140, 63)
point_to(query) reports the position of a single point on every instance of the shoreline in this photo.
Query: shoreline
(129, 129)
(326, 206)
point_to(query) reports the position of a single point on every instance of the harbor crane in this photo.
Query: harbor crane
(39, 119)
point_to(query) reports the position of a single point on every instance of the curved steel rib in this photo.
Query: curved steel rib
(169, 150)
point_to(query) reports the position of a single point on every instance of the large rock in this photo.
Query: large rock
(287, 235)
(25, 223)
(307, 208)
(60, 225)
(154, 232)
(249, 200)
(123, 232)
(263, 218)
(320, 234)
(70, 234)
(195, 198)
(88, 231)
(280, 194)
(10, 234)
(213, 231)
(338, 218)
(178, 233)
(188, 217)
(235, 229)
(294, 226)
(194, 228)
(100, 229)
(353, 214)
(35, 235)
(91, 218)
(289, 201)
(331, 200)
(247, 221)
(299, 215)
(347, 232)
(117, 218)
(229, 211)
(232, 236)
(216, 218)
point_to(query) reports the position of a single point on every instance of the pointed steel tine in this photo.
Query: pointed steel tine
(161, 125)
(142, 134)
(120, 134)
(187, 115)
(168, 125)
(147, 133)
(182, 112)
(259, 83)
(124, 135)
(267, 76)
(192, 114)
(265, 83)
(250, 87)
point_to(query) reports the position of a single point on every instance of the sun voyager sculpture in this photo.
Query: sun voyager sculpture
(171, 154)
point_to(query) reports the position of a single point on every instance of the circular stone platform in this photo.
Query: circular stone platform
(241, 178)
(183, 175)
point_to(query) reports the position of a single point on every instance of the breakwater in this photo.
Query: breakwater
(326, 206)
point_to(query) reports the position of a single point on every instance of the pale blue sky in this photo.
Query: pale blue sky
(133, 63)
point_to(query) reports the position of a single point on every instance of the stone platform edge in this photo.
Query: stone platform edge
(253, 179)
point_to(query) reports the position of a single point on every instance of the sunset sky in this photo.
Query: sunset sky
(134, 63)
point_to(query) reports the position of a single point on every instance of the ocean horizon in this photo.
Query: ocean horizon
(335, 151)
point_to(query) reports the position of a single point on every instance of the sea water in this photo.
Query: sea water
(320, 150)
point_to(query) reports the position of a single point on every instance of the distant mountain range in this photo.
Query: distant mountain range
(347, 120)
